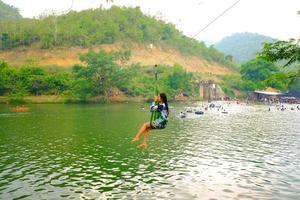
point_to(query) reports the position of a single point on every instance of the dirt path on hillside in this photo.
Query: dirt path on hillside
(67, 57)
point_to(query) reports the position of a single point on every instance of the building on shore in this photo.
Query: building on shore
(210, 91)
(267, 95)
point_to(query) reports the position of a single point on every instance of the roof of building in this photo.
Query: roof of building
(269, 91)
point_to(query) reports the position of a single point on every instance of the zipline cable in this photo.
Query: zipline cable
(216, 18)
(153, 114)
(207, 25)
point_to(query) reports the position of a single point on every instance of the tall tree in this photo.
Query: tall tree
(258, 70)
(282, 50)
(288, 51)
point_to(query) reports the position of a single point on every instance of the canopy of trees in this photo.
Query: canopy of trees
(288, 51)
(259, 74)
(282, 50)
(101, 76)
(101, 26)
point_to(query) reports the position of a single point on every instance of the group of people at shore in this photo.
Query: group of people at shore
(282, 107)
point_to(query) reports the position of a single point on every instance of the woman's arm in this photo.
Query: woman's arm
(154, 107)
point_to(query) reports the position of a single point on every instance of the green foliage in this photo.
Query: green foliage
(8, 79)
(58, 83)
(3, 64)
(295, 86)
(258, 70)
(101, 76)
(82, 88)
(259, 74)
(233, 83)
(177, 81)
(288, 51)
(101, 71)
(31, 81)
(101, 26)
(282, 50)
(8, 12)
(3, 75)
(278, 81)
(227, 90)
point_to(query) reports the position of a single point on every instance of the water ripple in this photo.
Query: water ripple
(75, 152)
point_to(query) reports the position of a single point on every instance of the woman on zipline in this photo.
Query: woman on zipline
(162, 111)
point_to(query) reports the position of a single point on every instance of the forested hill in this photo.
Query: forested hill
(8, 12)
(101, 26)
(242, 46)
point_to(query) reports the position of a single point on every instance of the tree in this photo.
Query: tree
(5, 42)
(3, 79)
(31, 79)
(278, 80)
(258, 74)
(102, 71)
(177, 81)
(295, 86)
(101, 26)
(258, 70)
(282, 50)
(57, 83)
(9, 81)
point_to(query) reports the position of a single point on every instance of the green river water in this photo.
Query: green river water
(84, 152)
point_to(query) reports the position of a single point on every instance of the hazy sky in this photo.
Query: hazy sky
(275, 18)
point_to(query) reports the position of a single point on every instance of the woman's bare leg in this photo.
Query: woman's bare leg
(144, 144)
(143, 129)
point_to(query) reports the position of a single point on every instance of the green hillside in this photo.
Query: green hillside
(8, 12)
(242, 46)
(100, 26)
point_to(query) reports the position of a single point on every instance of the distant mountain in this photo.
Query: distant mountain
(8, 12)
(242, 46)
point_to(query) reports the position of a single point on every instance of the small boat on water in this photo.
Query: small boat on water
(212, 105)
(199, 112)
(182, 115)
(19, 108)
(225, 112)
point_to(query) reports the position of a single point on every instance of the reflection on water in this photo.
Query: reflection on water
(84, 152)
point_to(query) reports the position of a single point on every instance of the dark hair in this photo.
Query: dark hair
(164, 99)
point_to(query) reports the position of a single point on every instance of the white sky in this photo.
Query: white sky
(275, 18)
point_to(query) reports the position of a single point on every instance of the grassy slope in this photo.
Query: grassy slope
(67, 57)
